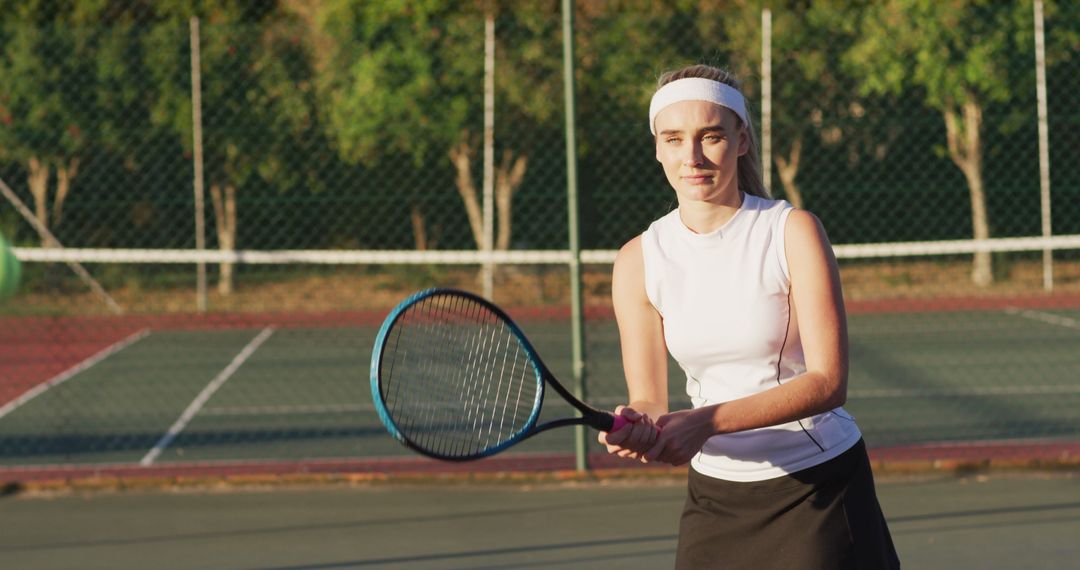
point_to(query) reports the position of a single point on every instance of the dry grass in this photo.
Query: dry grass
(352, 289)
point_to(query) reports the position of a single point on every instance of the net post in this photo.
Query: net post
(577, 328)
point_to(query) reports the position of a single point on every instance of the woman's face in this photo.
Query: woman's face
(699, 143)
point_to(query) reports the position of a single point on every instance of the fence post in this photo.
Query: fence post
(766, 98)
(196, 122)
(577, 328)
(1044, 144)
(489, 150)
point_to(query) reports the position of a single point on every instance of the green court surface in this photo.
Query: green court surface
(996, 521)
(288, 393)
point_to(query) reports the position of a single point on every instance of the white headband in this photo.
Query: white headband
(697, 89)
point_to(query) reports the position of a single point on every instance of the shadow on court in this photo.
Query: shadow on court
(272, 529)
(71, 447)
(989, 512)
(524, 553)
(993, 521)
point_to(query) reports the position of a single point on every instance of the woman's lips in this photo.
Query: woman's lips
(698, 179)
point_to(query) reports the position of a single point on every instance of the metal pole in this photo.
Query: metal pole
(1044, 144)
(197, 143)
(49, 241)
(577, 328)
(766, 98)
(489, 150)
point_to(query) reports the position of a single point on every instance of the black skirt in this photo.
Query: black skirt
(824, 517)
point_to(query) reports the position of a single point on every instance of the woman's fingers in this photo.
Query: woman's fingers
(630, 414)
(633, 439)
(667, 451)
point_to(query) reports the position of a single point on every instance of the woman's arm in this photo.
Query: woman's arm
(818, 302)
(644, 353)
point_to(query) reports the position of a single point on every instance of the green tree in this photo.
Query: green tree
(257, 101)
(401, 78)
(957, 54)
(622, 47)
(70, 84)
(812, 97)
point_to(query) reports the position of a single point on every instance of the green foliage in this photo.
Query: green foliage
(622, 49)
(72, 71)
(955, 51)
(39, 114)
(810, 90)
(408, 77)
(336, 101)
(257, 86)
(1063, 41)
(398, 76)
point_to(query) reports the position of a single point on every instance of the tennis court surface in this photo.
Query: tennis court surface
(989, 522)
(85, 396)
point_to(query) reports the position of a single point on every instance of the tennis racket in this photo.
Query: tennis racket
(454, 378)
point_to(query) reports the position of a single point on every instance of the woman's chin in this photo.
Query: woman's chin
(698, 194)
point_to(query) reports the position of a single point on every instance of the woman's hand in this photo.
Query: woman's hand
(682, 434)
(637, 436)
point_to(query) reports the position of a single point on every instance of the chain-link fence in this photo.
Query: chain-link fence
(323, 142)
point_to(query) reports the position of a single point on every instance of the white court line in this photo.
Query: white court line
(71, 372)
(204, 396)
(1048, 318)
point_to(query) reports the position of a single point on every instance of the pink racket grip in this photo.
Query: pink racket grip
(620, 422)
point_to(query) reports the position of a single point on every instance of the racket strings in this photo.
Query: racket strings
(455, 377)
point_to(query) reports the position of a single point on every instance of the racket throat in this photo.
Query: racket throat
(597, 420)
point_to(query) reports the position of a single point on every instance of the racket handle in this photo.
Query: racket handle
(620, 422)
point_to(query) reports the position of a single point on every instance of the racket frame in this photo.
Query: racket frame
(590, 416)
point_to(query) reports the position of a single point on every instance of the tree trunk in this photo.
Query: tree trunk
(38, 179)
(965, 150)
(419, 228)
(224, 199)
(788, 168)
(461, 155)
(508, 178)
(65, 175)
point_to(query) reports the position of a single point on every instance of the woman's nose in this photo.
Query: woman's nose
(694, 156)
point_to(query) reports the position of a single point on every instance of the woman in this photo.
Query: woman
(745, 294)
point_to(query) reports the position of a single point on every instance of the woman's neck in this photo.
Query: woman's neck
(707, 217)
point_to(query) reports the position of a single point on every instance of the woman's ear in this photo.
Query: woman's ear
(744, 141)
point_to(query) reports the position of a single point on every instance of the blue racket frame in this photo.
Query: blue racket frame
(590, 416)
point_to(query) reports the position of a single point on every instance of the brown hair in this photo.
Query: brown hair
(749, 164)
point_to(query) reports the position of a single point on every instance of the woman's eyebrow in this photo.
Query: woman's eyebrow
(708, 129)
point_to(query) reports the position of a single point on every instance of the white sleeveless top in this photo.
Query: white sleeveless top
(728, 322)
